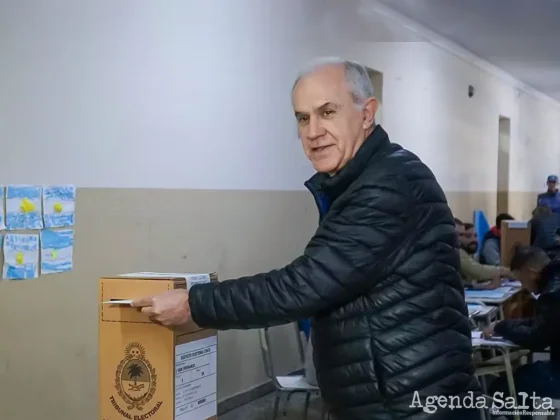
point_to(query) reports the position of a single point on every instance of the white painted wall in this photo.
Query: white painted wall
(139, 93)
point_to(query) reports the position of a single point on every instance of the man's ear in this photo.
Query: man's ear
(370, 110)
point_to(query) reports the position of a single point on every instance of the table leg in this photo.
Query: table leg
(511, 382)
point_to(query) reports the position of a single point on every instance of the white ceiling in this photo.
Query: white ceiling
(521, 37)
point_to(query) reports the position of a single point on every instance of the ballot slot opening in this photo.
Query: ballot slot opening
(118, 301)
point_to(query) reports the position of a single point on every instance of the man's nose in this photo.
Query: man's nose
(316, 128)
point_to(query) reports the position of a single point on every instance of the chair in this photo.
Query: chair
(286, 385)
(496, 366)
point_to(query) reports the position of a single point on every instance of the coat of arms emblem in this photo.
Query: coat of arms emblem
(135, 379)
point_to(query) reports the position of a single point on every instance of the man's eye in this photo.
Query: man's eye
(303, 119)
(328, 113)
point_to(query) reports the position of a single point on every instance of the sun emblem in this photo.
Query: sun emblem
(135, 379)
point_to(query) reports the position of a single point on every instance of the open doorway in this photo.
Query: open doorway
(504, 133)
(377, 81)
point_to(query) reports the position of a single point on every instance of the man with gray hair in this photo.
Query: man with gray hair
(379, 278)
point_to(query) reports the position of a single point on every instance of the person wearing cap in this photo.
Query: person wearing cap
(551, 198)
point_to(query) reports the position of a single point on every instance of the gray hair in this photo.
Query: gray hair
(357, 77)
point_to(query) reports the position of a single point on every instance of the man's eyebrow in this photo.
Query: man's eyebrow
(328, 105)
(319, 108)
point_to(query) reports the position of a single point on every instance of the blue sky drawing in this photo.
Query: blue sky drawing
(64, 195)
(29, 245)
(16, 219)
(62, 243)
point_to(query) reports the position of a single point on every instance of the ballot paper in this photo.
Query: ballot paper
(511, 283)
(498, 293)
(478, 334)
(495, 341)
(118, 302)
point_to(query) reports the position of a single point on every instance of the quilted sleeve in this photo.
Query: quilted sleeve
(350, 252)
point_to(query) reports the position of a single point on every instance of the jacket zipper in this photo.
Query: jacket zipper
(318, 196)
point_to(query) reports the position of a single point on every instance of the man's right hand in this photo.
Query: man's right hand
(170, 308)
(494, 283)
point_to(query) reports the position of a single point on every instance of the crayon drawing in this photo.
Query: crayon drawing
(2, 220)
(59, 203)
(21, 256)
(57, 250)
(23, 207)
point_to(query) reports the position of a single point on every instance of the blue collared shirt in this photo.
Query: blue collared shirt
(549, 199)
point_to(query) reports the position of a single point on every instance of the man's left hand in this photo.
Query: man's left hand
(169, 308)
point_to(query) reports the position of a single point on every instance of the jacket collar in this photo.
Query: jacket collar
(496, 231)
(335, 185)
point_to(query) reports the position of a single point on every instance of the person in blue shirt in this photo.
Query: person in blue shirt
(551, 198)
(545, 228)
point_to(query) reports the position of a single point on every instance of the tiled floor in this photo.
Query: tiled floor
(262, 409)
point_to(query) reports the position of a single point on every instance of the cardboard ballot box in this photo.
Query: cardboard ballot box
(513, 233)
(146, 370)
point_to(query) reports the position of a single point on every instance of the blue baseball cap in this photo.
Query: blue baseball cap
(552, 178)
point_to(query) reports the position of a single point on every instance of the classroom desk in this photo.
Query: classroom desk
(505, 348)
(474, 296)
(483, 315)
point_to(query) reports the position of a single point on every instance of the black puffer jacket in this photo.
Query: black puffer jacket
(380, 279)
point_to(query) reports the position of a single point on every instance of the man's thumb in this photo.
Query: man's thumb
(142, 302)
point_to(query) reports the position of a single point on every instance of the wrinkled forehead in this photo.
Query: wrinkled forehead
(324, 85)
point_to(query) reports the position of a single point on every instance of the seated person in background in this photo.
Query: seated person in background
(472, 271)
(544, 227)
(490, 252)
(470, 232)
(539, 275)
(551, 198)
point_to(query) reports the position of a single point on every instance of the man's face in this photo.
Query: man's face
(331, 126)
(552, 185)
(471, 241)
(460, 229)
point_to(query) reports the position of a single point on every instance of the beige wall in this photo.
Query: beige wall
(520, 204)
(48, 345)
